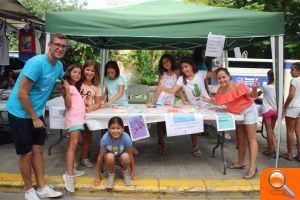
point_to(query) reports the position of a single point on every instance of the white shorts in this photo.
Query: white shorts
(250, 115)
(292, 112)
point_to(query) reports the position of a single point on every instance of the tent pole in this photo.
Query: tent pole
(278, 60)
(102, 66)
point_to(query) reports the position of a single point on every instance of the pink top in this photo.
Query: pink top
(235, 100)
(74, 116)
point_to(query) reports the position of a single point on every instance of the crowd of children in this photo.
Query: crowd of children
(82, 94)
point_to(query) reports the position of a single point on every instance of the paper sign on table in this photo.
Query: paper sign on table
(183, 123)
(215, 45)
(138, 127)
(225, 122)
(56, 118)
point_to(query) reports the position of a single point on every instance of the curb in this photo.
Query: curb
(144, 187)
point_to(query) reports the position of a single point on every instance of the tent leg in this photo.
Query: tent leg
(278, 61)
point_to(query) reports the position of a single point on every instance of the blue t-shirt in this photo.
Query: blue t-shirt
(44, 75)
(112, 87)
(116, 147)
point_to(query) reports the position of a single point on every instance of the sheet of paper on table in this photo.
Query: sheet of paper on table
(183, 123)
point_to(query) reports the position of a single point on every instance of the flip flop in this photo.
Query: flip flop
(268, 153)
(233, 166)
(196, 152)
(287, 156)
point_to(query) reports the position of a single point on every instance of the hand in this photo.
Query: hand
(88, 109)
(97, 181)
(149, 104)
(255, 84)
(37, 123)
(65, 84)
(105, 105)
(202, 98)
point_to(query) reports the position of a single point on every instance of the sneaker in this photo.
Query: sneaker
(69, 182)
(87, 163)
(48, 192)
(77, 172)
(110, 181)
(127, 178)
(31, 195)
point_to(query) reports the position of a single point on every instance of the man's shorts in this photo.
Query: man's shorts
(292, 112)
(271, 114)
(25, 135)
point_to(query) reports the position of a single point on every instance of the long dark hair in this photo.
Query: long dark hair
(297, 66)
(68, 74)
(270, 75)
(112, 65)
(115, 120)
(161, 68)
(191, 63)
(96, 79)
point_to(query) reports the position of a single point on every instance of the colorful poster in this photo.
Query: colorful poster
(183, 123)
(56, 118)
(138, 128)
(225, 122)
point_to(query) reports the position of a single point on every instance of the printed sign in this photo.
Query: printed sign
(215, 45)
(56, 118)
(183, 123)
(225, 122)
(138, 127)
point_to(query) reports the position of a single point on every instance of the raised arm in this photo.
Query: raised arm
(253, 93)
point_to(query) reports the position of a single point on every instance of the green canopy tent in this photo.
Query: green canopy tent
(172, 25)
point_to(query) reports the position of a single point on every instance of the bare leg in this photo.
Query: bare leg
(86, 144)
(253, 146)
(194, 140)
(290, 129)
(125, 161)
(109, 160)
(38, 165)
(25, 169)
(297, 130)
(241, 144)
(71, 151)
(269, 123)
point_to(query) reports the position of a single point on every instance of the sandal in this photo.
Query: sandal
(227, 136)
(233, 166)
(287, 156)
(196, 152)
(269, 153)
(248, 175)
(297, 157)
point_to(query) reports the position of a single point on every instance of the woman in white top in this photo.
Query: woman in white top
(269, 112)
(192, 83)
(291, 108)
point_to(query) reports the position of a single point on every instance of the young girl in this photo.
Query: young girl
(269, 112)
(90, 92)
(74, 119)
(237, 97)
(168, 76)
(193, 86)
(114, 85)
(115, 148)
(291, 108)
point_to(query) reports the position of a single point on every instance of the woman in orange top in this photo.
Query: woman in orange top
(237, 97)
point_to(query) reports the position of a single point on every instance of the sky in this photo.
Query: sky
(93, 4)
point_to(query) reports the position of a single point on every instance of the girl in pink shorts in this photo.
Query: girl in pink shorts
(269, 112)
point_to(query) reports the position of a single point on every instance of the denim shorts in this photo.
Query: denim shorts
(250, 115)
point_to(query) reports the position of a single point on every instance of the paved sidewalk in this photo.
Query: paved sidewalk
(176, 172)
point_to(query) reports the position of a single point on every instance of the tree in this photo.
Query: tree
(290, 8)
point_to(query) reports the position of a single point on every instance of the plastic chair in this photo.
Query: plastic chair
(138, 94)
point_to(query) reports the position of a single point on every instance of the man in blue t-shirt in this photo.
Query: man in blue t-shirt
(25, 112)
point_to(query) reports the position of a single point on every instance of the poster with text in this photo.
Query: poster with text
(56, 118)
(183, 123)
(138, 127)
(225, 122)
(215, 45)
